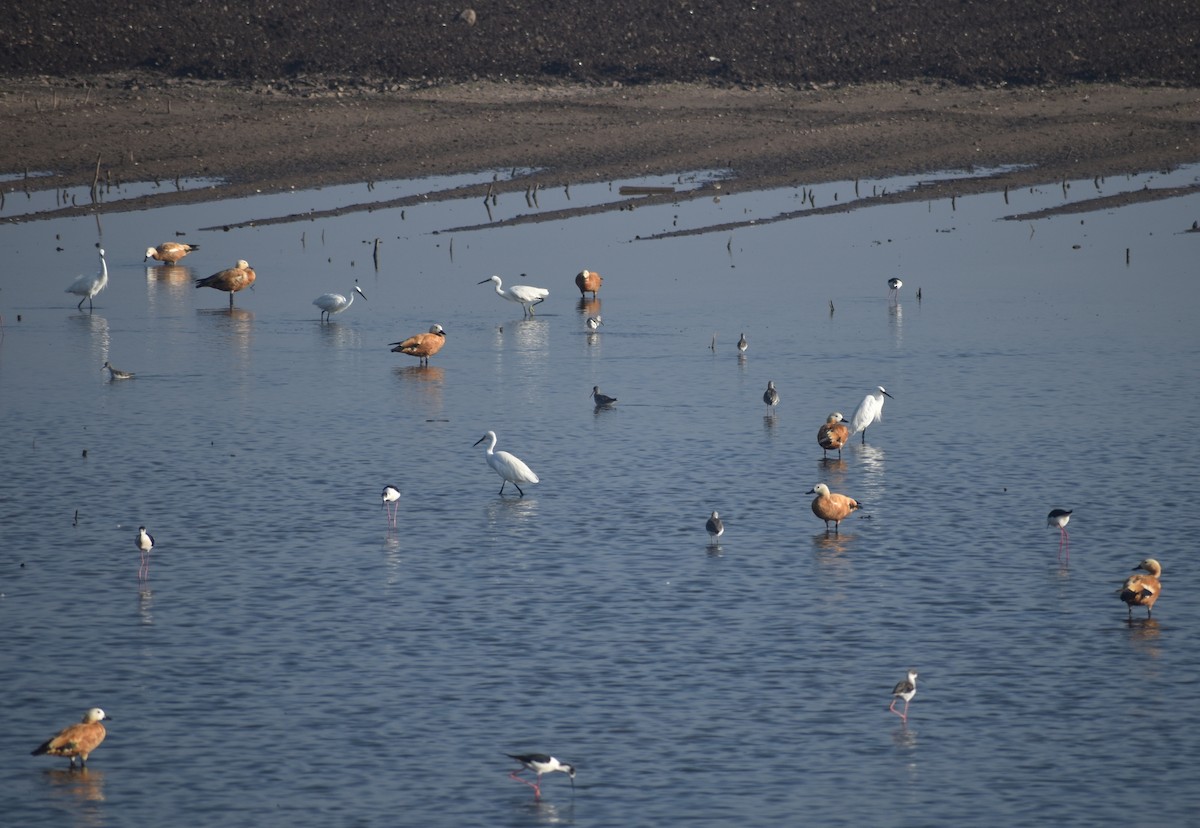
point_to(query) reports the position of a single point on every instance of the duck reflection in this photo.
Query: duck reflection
(426, 380)
(589, 307)
(78, 785)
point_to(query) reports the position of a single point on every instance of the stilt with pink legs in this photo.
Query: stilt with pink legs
(539, 763)
(905, 689)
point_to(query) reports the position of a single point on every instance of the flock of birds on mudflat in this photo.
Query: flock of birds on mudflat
(78, 740)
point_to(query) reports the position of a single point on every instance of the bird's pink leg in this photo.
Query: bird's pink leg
(892, 709)
(537, 791)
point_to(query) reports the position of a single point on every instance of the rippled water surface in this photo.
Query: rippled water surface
(291, 661)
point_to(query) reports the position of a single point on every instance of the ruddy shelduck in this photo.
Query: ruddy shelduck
(833, 435)
(539, 763)
(588, 281)
(423, 345)
(170, 252)
(77, 740)
(238, 277)
(904, 689)
(1143, 590)
(830, 506)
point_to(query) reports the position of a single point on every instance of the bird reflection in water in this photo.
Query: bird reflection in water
(78, 785)
(427, 381)
(589, 307)
(145, 605)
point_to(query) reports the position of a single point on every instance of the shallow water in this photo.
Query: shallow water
(292, 661)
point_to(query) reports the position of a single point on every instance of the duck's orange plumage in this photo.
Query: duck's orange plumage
(78, 739)
(830, 506)
(238, 277)
(170, 252)
(834, 434)
(423, 345)
(588, 281)
(1143, 590)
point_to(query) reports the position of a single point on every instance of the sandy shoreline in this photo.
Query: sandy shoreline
(260, 137)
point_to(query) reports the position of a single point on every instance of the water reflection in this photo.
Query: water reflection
(176, 280)
(78, 787)
(510, 509)
(1144, 636)
(549, 813)
(335, 335)
(145, 604)
(588, 307)
(428, 381)
(237, 322)
(531, 334)
(96, 328)
(829, 549)
(896, 321)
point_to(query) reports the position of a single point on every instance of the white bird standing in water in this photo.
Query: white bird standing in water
(89, 286)
(524, 295)
(145, 542)
(391, 495)
(894, 286)
(508, 466)
(869, 411)
(331, 303)
(594, 322)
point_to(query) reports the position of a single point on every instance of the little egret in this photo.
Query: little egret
(391, 498)
(511, 468)
(116, 373)
(829, 506)
(524, 295)
(742, 344)
(588, 281)
(539, 763)
(833, 435)
(594, 322)
(144, 542)
(422, 345)
(79, 739)
(771, 396)
(869, 411)
(170, 252)
(89, 286)
(331, 303)
(904, 689)
(602, 400)
(1060, 518)
(714, 527)
(1143, 590)
(238, 277)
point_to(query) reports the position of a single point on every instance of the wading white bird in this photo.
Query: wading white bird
(894, 286)
(539, 763)
(116, 373)
(508, 466)
(904, 689)
(869, 411)
(88, 286)
(144, 542)
(771, 396)
(1060, 518)
(524, 295)
(391, 495)
(714, 527)
(170, 252)
(79, 739)
(331, 303)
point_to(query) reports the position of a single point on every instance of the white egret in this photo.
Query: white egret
(79, 739)
(524, 295)
(869, 411)
(116, 373)
(509, 467)
(1060, 518)
(904, 689)
(233, 279)
(170, 252)
(89, 286)
(331, 303)
(714, 527)
(391, 504)
(539, 763)
(833, 435)
(771, 396)
(602, 400)
(594, 322)
(423, 345)
(829, 506)
(588, 281)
